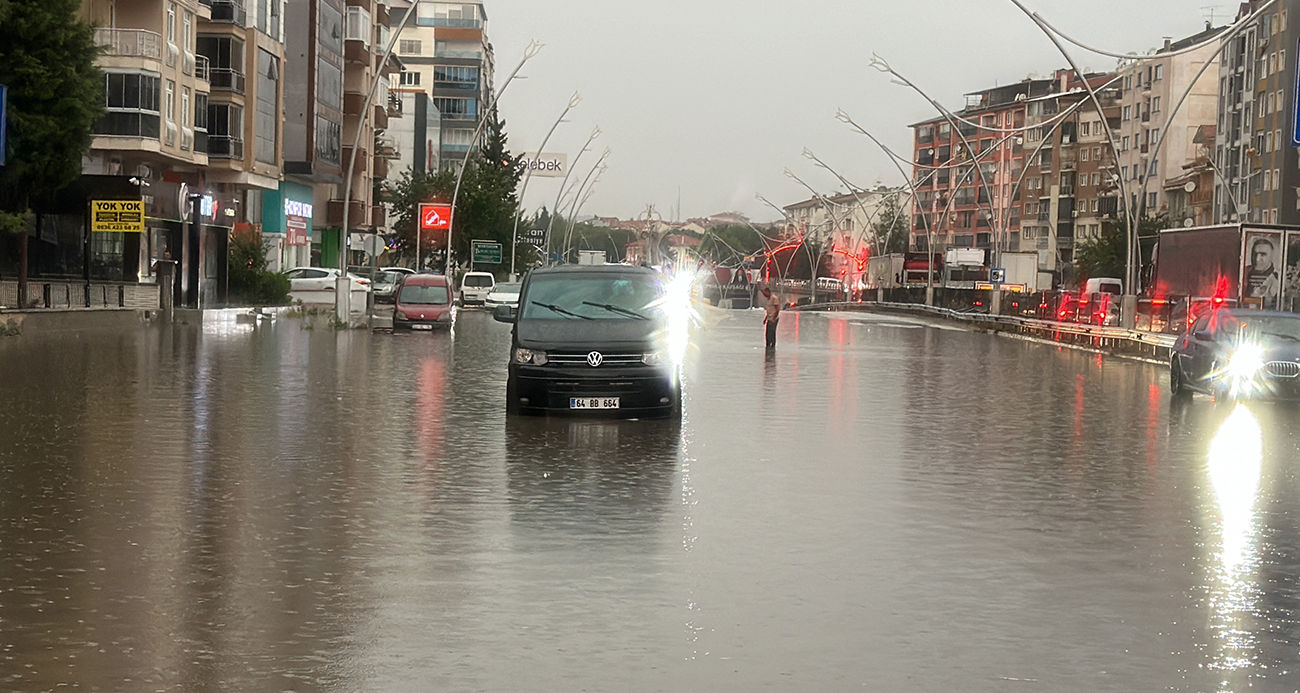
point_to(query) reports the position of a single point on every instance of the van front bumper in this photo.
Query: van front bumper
(641, 390)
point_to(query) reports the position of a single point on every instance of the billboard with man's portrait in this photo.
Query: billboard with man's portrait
(1261, 272)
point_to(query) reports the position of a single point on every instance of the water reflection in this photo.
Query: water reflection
(1234, 470)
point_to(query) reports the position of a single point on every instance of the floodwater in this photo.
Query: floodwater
(883, 506)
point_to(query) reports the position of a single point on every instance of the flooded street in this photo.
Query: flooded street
(883, 505)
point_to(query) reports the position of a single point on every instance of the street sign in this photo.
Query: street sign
(435, 217)
(374, 245)
(117, 216)
(998, 276)
(486, 252)
(4, 121)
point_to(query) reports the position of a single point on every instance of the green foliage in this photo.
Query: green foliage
(406, 195)
(892, 227)
(488, 202)
(251, 284)
(56, 94)
(16, 223)
(1107, 255)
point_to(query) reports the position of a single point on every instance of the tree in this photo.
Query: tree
(488, 202)
(250, 282)
(406, 195)
(1107, 255)
(56, 95)
(892, 226)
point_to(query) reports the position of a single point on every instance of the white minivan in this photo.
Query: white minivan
(475, 287)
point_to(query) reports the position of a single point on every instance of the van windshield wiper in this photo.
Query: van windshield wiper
(1287, 337)
(561, 311)
(616, 309)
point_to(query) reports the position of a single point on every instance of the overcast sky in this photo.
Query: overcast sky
(717, 97)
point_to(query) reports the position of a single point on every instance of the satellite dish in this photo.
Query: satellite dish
(1190, 187)
(1188, 222)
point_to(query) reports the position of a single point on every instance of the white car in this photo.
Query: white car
(504, 295)
(319, 284)
(475, 287)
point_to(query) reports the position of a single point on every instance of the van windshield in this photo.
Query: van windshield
(417, 295)
(478, 281)
(593, 297)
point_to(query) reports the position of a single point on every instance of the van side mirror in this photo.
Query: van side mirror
(508, 314)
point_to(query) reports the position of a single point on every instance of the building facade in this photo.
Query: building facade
(446, 54)
(1254, 158)
(1152, 89)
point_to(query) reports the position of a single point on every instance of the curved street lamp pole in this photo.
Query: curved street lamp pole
(343, 285)
(578, 199)
(528, 175)
(803, 241)
(550, 223)
(590, 190)
(529, 53)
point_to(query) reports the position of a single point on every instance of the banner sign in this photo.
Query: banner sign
(435, 217)
(486, 252)
(117, 216)
(547, 165)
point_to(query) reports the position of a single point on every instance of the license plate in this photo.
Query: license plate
(594, 403)
(422, 327)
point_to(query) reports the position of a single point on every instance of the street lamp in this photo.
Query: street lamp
(530, 52)
(578, 199)
(528, 175)
(802, 241)
(578, 208)
(550, 223)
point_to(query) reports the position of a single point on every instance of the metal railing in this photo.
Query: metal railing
(225, 147)
(231, 11)
(226, 78)
(130, 43)
(202, 68)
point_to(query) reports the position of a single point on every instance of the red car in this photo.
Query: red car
(423, 303)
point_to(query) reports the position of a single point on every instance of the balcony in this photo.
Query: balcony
(449, 23)
(380, 119)
(226, 79)
(461, 55)
(130, 43)
(352, 103)
(228, 11)
(361, 158)
(394, 105)
(378, 216)
(225, 147)
(381, 168)
(356, 214)
(387, 148)
(202, 68)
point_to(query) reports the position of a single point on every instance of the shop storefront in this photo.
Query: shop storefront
(287, 226)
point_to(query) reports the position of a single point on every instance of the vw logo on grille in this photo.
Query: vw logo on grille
(595, 358)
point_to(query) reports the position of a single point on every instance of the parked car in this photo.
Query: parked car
(475, 287)
(504, 295)
(387, 281)
(319, 284)
(591, 340)
(1239, 354)
(423, 303)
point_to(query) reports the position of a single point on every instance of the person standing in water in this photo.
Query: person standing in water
(772, 315)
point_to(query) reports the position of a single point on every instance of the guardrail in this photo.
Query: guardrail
(1146, 345)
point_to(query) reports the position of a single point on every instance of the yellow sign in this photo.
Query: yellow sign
(117, 216)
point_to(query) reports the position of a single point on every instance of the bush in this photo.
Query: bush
(251, 284)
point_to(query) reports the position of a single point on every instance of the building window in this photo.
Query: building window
(1124, 144)
(359, 26)
(459, 78)
(329, 83)
(225, 131)
(268, 108)
(329, 140)
(1083, 154)
(187, 135)
(226, 57)
(410, 79)
(1128, 113)
(945, 131)
(171, 23)
(132, 105)
(409, 47)
(330, 32)
(1155, 105)
(169, 113)
(457, 140)
(1160, 72)
(1268, 181)
(1155, 136)
(457, 109)
(1268, 142)
(268, 18)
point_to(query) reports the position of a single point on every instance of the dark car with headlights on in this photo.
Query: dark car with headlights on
(1239, 354)
(591, 340)
(423, 303)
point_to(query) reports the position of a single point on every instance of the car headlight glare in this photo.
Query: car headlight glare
(528, 357)
(1246, 362)
(654, 358)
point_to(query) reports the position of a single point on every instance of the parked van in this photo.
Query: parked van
(475, 287)
(423, 303)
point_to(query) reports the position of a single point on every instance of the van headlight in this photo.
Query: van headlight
(654, 358)
(528, 357)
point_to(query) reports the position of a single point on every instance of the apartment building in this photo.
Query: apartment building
(1254, 155)
(334, 49)
(965, 198)
(847, 219)
(446, 54)
(1070, 169)
(1152, 89)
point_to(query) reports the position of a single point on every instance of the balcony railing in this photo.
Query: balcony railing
(231, 11)
(449, 23)
(130, 43)
(468, 55)
(225, 147)
(226, 78)
(202, 68)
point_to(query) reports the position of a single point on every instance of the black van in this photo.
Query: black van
(591, 339)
